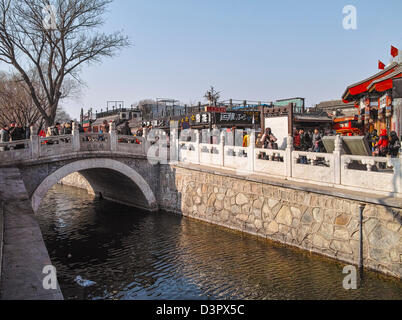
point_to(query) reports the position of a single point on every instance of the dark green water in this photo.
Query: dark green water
(132, 254)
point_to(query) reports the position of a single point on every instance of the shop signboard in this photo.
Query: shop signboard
(215, 109)
(201, 118)
(237, 117)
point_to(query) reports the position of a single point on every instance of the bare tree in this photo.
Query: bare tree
(16, 103)
(50, 44)
(212, 96)
(62, 115)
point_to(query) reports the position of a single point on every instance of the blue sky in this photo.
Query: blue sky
(255, 50)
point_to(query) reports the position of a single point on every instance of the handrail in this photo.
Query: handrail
(330, 169)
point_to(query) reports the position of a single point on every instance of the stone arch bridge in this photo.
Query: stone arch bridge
(268, 193)
(123, 169)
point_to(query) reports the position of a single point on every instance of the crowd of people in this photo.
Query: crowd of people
(383, 145)
(17, 132)
(308, 141)
(14, 132)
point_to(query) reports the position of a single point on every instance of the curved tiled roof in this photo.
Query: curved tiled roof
(397, 72)
(378, 76)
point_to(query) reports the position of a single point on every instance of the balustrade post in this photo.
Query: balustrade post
(397, 163)
(174, 145)
(113, 137)
(197, 147)
(288, 157)
(338, 160)
(76, 141)
(145, 142)
(251, 152)
(222, 150)
(35, 143)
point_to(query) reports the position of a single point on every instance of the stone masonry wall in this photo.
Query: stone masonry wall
(78, 181)
(323, 224)
(1, 236)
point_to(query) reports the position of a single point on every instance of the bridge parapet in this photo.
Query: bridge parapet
(46, 147)
(356, 173)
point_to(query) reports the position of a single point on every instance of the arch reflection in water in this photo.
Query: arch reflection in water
(132, 254)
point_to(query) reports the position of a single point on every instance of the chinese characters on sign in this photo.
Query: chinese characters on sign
(215, 109)
(223, 118)
(233, 117)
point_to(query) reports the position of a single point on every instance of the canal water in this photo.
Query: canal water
(130, 254)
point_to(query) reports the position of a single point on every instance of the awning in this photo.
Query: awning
(362, 86)
(385, 83)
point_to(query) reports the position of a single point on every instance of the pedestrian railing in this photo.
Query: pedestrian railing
(271, 162)
(317, 167)
(95, 142)
(360, 173)
(15, 151)
(368, 174)
(377, 174)
(53, 146)
(130, 144)
(236, 157)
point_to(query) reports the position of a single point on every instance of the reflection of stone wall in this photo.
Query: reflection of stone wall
(78, 181)
(1, 235)
(319, 223)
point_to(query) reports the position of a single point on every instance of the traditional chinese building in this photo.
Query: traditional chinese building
(373, 98)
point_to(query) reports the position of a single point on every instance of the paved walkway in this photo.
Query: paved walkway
(24, 252)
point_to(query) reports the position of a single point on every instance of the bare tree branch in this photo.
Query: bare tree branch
(46, 58)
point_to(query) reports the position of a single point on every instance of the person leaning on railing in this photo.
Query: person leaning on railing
(269, 140)
(381, 148)
(4, 137)
(17, 133)
(305, 145)
(296, 140)
(394, 145)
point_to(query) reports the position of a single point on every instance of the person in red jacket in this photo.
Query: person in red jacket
(383, 143)
(296, 140)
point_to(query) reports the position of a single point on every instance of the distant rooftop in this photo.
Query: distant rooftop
(334, 105)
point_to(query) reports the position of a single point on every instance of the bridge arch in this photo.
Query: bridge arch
(114, 179)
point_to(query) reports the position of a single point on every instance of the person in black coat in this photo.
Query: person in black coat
(126, 131)
(305, 141)
(394, 145)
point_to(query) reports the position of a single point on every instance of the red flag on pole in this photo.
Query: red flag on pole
(394, 51)
(381, 65)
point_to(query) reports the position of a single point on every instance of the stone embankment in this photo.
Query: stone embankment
(314, 221)
(24, 254)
